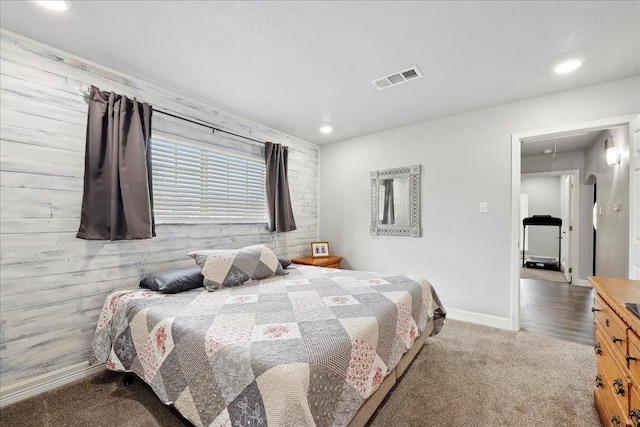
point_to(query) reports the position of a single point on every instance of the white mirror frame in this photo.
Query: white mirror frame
(413, 229)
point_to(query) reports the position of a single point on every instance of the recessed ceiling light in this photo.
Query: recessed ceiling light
(326, 129)
(57, 5)
(568, 66)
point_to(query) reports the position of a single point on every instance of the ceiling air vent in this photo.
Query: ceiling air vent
(397, 78)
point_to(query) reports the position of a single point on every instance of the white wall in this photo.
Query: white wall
(612, 241)
(52, 284)
(571, 161)
(544, 199)
(466, 159)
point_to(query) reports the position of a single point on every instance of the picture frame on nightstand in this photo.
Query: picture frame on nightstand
(319, 249)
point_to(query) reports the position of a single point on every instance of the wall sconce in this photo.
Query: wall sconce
(613, 157)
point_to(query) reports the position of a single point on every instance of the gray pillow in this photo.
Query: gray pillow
(174, 281)
(284, 262)
(222, 268)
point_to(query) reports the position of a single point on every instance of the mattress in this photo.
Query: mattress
(305, 349)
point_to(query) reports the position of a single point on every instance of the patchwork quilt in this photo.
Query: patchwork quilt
(304, 349)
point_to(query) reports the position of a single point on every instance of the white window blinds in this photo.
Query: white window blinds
(202, 183)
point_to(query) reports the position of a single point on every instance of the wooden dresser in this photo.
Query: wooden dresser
(617, 348)
(320, 261)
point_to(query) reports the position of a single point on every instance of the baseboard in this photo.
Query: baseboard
(479, 318)
(45, 382)
(582, 282)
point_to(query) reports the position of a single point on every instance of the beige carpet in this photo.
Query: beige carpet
(542, 274)
(468, 375)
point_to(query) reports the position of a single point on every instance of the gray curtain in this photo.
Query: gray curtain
(118, 198)
(388, 214)
(277, 183)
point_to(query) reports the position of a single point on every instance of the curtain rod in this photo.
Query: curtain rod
(207, 125)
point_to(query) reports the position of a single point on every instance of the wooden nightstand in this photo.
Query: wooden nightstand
(324, 261)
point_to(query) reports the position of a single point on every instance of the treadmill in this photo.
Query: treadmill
(547, 263)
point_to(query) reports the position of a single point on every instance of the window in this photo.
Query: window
(203, 183)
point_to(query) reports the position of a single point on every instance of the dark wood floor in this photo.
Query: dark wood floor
(557, 310)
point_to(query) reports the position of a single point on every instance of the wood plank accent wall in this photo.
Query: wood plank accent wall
(52, 285)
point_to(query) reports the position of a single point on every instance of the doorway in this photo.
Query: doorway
(549, 304)
(594, 223)
(520, 140)
(551, 193)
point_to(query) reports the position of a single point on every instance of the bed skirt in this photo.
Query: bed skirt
(370, 405)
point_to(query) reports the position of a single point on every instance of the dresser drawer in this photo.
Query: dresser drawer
(606, 358)
(614, 328)
(607, 354)
(634, 357)
(619, 388)
(609, 413)
(634, 406)
(612, 369)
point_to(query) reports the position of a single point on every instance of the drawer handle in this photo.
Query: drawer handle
(593, 309)
(630, 358)
(635, 415)
(615, 421)
(597, 349)
(598, 381)
(616, 339)
(619, 387)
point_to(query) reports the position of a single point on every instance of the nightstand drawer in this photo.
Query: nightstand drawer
(325, 261)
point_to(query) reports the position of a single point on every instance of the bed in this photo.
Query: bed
(317, 346)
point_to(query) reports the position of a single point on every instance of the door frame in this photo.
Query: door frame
(634, 194)
(516, 169)
(574, 240)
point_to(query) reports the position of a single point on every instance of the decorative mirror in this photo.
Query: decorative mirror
(395, 201)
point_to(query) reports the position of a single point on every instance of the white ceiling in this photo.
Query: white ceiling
(294, 66)
(561, 144)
